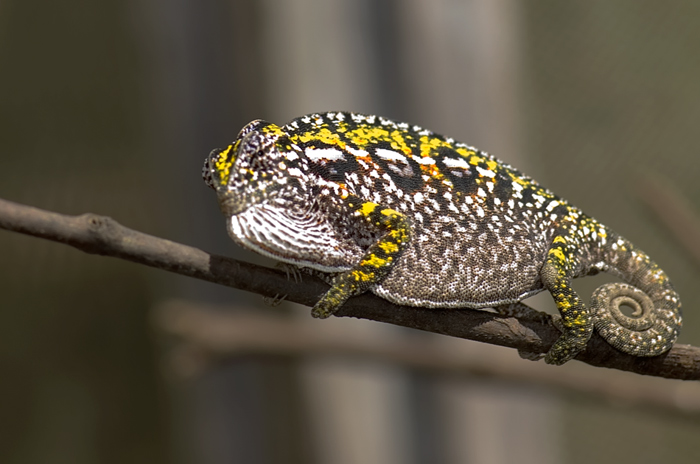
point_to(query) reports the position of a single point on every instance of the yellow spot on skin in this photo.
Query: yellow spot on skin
(367, 208)
(390, 212)
(364, 135)
(223, 164)
(466, 153)
(399, 235)
(559, 239)
(399, 143)
(492, 165)
(389, 247)
(374, 261)
(272, 129)
(361, 276)
(323, 135)
(428, 145)
(558, 254)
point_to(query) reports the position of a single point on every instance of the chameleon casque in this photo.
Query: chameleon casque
(423, 220)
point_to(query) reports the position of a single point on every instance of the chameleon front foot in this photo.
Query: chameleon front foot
(327, 306)
(343, 287)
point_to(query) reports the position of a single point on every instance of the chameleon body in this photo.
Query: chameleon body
(423, 220)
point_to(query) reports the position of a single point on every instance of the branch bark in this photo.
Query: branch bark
(102, 235)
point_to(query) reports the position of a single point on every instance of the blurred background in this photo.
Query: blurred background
(111, 106)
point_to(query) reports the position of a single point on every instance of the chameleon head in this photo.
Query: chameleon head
(249, 171)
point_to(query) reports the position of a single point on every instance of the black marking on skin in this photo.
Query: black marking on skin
(422, 220)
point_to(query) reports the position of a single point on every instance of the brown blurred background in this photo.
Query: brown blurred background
(111, 107)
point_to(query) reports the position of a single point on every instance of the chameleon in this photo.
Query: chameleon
(423, 220)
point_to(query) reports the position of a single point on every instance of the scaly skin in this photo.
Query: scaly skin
(423, 220)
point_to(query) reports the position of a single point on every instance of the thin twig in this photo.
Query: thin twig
(104, 236)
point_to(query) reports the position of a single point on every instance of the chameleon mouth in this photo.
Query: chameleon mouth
(231, 205)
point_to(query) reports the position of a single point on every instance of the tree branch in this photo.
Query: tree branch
(104, 236)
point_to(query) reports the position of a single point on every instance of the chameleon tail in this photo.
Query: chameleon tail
(655, 321)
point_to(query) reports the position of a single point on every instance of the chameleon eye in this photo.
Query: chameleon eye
(217, 166)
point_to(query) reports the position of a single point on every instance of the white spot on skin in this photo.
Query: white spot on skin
(456, 163)
(553, 204)
(486, 172)
(390, 155)
(418, 198)
(329, 154)
(356, 152)
(423, 160)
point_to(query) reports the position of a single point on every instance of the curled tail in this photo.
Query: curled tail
(655, 321)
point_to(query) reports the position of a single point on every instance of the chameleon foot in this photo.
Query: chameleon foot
(567, 347)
